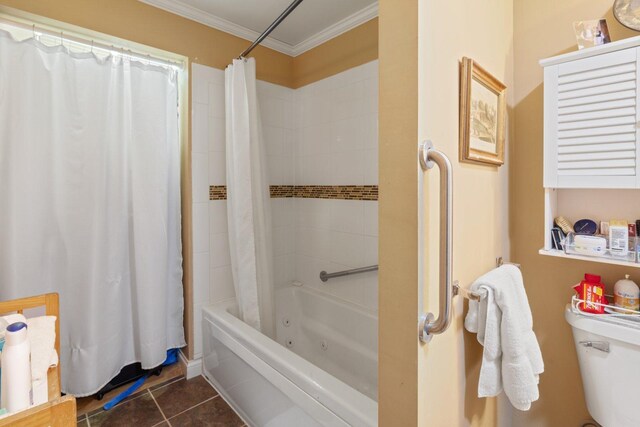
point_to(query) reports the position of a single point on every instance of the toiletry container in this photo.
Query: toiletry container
(16, 368)
(608, 356)
(618, 237)
(626, 295)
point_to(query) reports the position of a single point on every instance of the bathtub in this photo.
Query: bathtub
(322, 371)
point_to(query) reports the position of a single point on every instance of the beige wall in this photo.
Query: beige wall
(398, 210)
(434, 384)
(543, 28)
(355, 47)
(450, 364)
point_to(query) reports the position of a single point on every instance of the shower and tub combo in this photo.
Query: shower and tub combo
(321, 369)
(297, 345)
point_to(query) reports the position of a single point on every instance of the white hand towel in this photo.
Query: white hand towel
(502, 319)
(42, 337)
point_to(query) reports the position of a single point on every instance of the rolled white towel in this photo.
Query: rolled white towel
(42, 337)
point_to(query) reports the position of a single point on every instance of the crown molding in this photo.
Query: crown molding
(360, 17)
(186, 11)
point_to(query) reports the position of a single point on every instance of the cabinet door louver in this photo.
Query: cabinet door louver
(593, 128)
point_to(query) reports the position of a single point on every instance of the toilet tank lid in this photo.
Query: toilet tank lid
(604, 326)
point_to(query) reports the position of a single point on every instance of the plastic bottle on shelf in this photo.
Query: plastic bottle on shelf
(16, 368)
(591, 292)
(618, 237)
(626, 295)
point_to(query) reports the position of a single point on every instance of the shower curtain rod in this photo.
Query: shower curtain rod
(271, 27)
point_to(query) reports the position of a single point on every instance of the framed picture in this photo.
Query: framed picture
(591, 33)
(482, 115)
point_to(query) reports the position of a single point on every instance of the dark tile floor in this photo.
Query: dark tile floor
(183, 402)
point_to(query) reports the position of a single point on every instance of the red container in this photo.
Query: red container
(592, 292)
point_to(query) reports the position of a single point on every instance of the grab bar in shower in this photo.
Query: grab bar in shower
(324, 276)
(429, 325)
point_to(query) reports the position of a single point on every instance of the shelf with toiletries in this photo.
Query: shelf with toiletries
(593, 212)
(621, 307)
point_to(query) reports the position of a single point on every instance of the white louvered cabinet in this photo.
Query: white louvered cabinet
(592, 138)
(590, 119)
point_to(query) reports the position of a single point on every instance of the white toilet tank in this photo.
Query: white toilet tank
(609, 358)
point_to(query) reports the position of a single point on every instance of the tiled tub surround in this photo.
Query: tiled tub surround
(321, 145)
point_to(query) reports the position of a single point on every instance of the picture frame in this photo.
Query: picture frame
(482, 115)
(591, 33)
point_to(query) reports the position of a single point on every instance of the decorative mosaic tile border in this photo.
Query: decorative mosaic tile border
(341, 192)
(218, 192)
(282, 191)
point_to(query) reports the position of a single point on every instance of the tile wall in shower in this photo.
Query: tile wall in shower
(277, 110)
(322, 134)
(337, 144)
(211, 264)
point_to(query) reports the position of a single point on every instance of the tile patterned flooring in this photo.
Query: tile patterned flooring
(171, 373)
(180, 403)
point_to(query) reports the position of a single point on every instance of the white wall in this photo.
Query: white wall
(277, 110)
(338, 129)
(211, 262)
(338, 145)
(321, 134)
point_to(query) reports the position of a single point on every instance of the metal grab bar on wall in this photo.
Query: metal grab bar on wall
(429, 325)
(324, 276)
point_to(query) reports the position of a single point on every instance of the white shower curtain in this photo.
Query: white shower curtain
(248, 200)
(90, 203)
